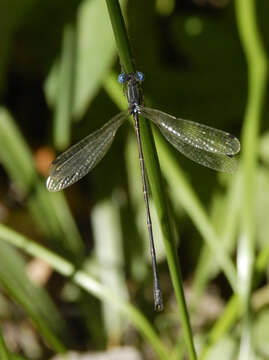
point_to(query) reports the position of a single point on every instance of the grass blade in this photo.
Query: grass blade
(257, 71)
(50, 211)
(90, 285)
(63, 107)
(155, 178)
(4, 354)
(34, 300)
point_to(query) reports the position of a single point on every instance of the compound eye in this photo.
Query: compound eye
(140, 76)
(121, 78)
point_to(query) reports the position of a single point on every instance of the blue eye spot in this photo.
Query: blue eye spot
(121, 78)
(140, 75)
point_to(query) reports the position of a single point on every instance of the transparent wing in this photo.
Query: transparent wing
(205, 145)
(82, 157)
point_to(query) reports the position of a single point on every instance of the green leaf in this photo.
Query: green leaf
(95, 52)
(50, 210)
(261, 333)
(109, 257)
(90, 285)
(226, 349)
(264, 148)
(65, 90)
(34, 300)
(4, 354)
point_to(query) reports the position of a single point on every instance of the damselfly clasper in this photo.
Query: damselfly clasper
(203, 144)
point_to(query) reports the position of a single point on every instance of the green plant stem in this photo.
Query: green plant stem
(249, 273)
(120, 35)
(233, 310)
(257, 69)
(87, 283)
(155, 178)
(4, 355)
(63, 116)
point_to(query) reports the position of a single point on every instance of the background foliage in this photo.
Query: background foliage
(72, 263)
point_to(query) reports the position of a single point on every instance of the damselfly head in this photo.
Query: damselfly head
(137, 76)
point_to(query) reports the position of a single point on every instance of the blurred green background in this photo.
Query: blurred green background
(58, 71)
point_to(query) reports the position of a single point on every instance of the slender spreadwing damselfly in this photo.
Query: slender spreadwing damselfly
(203, 144)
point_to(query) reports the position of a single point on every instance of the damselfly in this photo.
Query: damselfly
(205, 145)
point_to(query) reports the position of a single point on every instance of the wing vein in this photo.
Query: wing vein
(82, 157)
(207, 146)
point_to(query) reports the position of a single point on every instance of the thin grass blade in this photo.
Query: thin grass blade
(34, 300)
(50, 211)
(65, 90)
(90, 285)
(4, 354)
